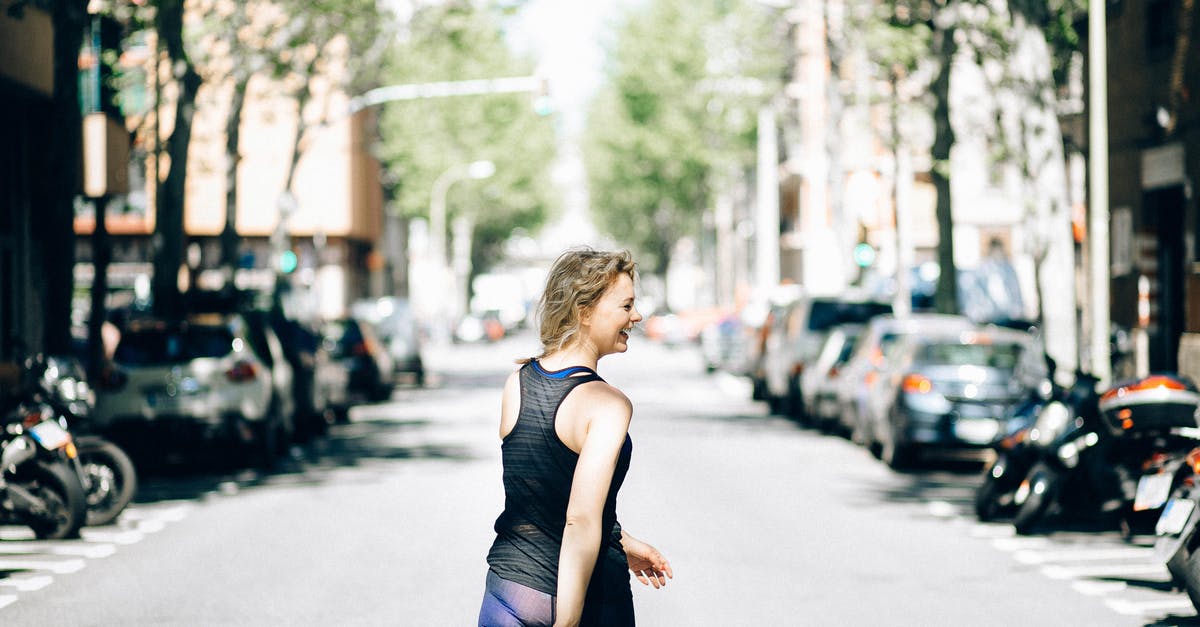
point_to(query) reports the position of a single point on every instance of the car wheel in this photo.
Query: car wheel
(897, 455)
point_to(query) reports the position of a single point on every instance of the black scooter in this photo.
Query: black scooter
(1178, 541)
(105, 470)
(1100, 445)
(39, 481)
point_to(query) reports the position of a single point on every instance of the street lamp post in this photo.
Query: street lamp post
(437, 226)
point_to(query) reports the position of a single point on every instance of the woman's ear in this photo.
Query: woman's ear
(585, 316)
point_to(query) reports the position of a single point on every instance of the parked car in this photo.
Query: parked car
(723, 344)
(206, 377)
(396, 325)
(797, 341)
(318, 383)
(353, 345)
(818, 381)
(768, 329)
(870, 354)
(944, 391)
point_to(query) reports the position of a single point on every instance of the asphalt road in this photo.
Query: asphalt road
(387, 522)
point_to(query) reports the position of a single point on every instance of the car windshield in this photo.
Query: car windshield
(1003, 356)
(826, 314)
(147, 347)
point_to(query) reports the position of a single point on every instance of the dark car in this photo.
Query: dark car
(353, 344)
(396, 325)
(945, 392)
(318, 384)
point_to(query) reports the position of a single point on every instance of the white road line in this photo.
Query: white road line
(27, 584)
(1016, 544)
(1099, 588)
(1103, 570)
(942, 509)
(16, 533)
(7, 600)
(1027, 556)
(168, 514)
(61, 567)
(993, 530)
(115, 537)
(1136, 608)
(151, 526)
(93, 551)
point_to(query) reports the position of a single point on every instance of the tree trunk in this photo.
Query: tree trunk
(70, 17)
(101, 256)
(169, 225)
(233, 157)
(946, 297)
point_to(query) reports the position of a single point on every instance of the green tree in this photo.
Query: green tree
(676, 119)
(421, 139)
(289, 43)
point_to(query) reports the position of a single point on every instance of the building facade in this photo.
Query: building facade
(1154, 160)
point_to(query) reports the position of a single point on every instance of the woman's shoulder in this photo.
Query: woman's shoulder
(600, 394)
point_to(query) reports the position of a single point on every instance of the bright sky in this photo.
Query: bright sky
(566, 35)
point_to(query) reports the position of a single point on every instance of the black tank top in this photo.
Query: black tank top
(538, 468)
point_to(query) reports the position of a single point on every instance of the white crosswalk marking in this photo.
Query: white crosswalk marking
(1026, 556)
(1136, 608)
(93, 551)
(1017, 544)
(61, 567)
(126, 537)
(7, 599)
(1099, 588)
(27, 584)
(1104, 570)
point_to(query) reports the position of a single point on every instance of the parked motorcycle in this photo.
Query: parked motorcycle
(1018, 450)
(39, 485)
(994, 498)
(1178, 541)
(1092, 449)
(106, 471)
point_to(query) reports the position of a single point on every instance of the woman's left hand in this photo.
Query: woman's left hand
(647, 564)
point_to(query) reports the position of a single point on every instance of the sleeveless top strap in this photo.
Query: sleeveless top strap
(565, 372)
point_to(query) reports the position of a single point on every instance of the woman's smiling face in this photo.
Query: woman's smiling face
(608, 322)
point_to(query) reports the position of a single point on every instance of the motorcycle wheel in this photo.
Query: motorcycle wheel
(1042, 488)
(59, 488)
(112, 480)
(987, 497)
(1187, 571)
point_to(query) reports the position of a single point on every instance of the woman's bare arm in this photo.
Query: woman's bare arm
(603, 434)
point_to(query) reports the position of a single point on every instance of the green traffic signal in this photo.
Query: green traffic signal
(287, 261)
(864, 254)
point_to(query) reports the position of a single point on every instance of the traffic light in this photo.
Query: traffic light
(864, 254)
(288, 261)
(543, 104)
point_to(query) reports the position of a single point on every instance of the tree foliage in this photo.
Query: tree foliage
(421, 139)
(676, 118)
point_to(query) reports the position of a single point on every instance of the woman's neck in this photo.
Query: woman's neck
(573, 355)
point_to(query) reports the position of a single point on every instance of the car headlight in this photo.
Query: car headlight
(1051, 422)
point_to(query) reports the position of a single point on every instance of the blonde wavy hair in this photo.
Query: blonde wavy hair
(576, 281)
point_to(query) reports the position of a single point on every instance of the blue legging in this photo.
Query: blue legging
(508, 604)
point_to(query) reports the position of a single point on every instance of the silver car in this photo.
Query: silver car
(948, 392)
(818, 382)
(862, 370)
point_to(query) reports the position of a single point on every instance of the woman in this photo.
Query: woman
(560, 557)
